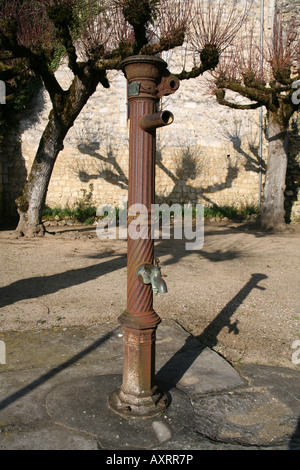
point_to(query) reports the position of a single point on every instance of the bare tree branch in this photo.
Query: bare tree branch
(217, 23)
(220, 95)
(282, 49)
(214, 25)
(240, 69)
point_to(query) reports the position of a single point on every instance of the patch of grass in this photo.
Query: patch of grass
(79, 213)
(58, 213)
(89, 221)
(83, 210)
(86, 214)
(82, 213)
(231, 212)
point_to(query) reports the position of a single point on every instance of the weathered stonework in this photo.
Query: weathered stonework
(209, 155)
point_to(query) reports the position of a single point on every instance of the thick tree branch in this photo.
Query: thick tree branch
(6, 55)
(194, 73)
(220, 95)
(61, 18)
(209, 60)
(7, 72)
(165, 43)
(253, 94)
(139, 14)
(38, 63)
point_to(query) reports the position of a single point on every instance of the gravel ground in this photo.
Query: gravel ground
(239, 294)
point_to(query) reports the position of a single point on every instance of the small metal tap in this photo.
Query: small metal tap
(148, 273)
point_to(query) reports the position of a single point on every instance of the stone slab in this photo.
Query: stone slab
(55, 386)
(83, 406)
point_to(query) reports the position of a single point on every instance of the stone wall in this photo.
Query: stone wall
(210, 154)
(13, 171)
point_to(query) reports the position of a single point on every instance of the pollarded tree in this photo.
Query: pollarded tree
(96, 36)
(33, 31)
(272, 86)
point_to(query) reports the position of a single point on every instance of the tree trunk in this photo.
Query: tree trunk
(31, 204)
(272, 212)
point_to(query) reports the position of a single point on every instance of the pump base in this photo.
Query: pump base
(142, 406)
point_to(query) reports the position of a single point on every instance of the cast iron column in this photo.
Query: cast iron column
(148, 80)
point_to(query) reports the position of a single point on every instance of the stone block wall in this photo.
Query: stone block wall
(13, 172)
(209, 155)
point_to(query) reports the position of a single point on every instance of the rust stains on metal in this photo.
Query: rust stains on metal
(148, 80)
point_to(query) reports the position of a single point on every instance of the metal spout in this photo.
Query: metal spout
(150, 122)
(168, 85)
(148, 273)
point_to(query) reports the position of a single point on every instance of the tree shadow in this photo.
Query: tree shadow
(38, 286)
(54, 371)
(175, 368)
(171, 373)
(187, 167)
(109, 167)
(294, 443)
(235, 135)
(35, 287)
(176, 250)
(186, 162)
